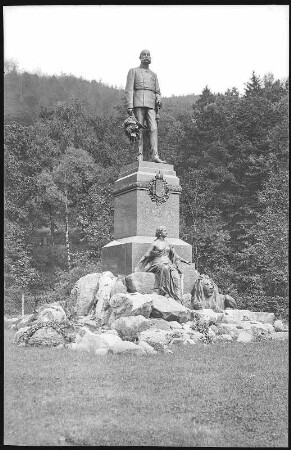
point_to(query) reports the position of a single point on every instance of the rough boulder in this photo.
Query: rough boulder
(83, 295)
(124, 305)
(168, 309)
(51, 312)
(106, 282)
(142, 282)
(128, 328)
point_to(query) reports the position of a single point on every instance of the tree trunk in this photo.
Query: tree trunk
(52, 226)
(22, 304)
(67, 232)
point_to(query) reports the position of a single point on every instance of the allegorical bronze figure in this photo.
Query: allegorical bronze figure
(162, 260)
(143, 99)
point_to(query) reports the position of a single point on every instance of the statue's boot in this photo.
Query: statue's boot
(158, 160)
(140, 147)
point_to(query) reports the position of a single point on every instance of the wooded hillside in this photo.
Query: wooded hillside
(26, 94)
(64, 145)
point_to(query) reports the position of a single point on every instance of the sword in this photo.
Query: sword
(157, 115)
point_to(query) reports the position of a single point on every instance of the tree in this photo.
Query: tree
(10, 65)
(71, 176)
(267, 257)
(254, 86)
(19, 274)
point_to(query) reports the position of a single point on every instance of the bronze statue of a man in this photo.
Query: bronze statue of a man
(143, 98)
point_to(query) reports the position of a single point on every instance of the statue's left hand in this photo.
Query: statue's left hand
(159, 104)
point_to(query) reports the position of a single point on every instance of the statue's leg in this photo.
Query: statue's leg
(152, 125)
(140, 116)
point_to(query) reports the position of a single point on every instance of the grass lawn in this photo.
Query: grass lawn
(221, 395)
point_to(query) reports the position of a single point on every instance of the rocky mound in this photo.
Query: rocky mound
(104, 318)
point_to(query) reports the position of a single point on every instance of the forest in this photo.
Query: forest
(64, 145)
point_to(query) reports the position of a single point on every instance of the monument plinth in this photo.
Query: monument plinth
(146, 197)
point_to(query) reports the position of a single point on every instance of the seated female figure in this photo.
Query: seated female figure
(162, 260)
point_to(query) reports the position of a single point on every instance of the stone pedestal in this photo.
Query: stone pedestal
(146, 197)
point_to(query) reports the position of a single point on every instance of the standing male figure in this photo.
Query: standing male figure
(143, 97)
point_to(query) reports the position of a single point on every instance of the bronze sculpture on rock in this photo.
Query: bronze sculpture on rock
(143, 98)
(205, 295)
(162, 260)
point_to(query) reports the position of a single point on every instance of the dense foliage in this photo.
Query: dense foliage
(63, 155)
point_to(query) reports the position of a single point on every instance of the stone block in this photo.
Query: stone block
(135, 214)
(245, 314)
(121, 256)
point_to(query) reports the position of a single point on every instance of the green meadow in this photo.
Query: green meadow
(217, 395)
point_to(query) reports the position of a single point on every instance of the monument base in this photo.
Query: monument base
(122, 255)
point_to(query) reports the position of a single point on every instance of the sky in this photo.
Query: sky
(191, 46)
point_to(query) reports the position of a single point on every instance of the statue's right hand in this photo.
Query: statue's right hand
(130, 111)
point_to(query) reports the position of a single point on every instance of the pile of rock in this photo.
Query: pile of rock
(244, 326)
(109, 314)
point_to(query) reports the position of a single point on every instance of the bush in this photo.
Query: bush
(202, 326)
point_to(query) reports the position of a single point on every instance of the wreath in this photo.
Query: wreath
(61, 328)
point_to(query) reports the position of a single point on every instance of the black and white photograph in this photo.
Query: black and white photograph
(146, 222)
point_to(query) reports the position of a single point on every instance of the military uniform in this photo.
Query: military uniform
(142, 91)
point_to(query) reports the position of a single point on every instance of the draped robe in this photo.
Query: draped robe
(163, 263)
